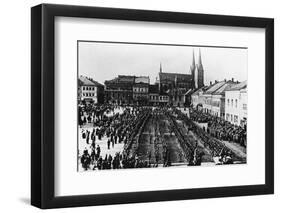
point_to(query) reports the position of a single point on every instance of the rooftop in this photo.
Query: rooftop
(85, 81)
(172, 76)
(239, 86)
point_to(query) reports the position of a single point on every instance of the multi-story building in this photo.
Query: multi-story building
(119, 90)
(140, 93)
(197, 98)
(153, 92)
(90, 91)
(236, 104)
(211, 99)
(126, 89)
(163, 99)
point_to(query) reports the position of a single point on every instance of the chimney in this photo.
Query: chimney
(232, 79)
(210, 82)
(216, 81)
(225, 80)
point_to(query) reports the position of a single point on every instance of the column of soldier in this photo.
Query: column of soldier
(117, 129)
(217, 148)
(220, 128)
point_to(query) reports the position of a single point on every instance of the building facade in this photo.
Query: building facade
(236, 104)
(126, 89)
(119, 90)
(197, 99)
(90, 91)
(153, 93)
(211, 99)
(140, 93)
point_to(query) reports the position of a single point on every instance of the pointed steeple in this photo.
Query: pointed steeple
(160, 67)
(193, 59)
(200, 60)
(192, 69)
(200, 72)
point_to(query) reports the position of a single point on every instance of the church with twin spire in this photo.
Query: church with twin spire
(178, 85)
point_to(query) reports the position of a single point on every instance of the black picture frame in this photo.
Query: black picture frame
(43, 102)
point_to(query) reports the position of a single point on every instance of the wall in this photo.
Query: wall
(15, 105)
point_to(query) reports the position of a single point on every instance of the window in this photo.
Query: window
(235, 119)
(227, 102)
(231, 104)
(236, 103)
(245, 106)
(231, 117)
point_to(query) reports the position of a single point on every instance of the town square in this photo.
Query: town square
(179, 120)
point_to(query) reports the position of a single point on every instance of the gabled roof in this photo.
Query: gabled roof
(223, 88)
(239, 86)
(220, 87)
(85, 81)
(215, 87)
(202, 89)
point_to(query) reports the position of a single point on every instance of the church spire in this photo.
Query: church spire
(200, 73)
(160, 67)
(192, 69)
(200, 60)
(193, 59)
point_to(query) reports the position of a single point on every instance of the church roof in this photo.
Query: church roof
(172, 76)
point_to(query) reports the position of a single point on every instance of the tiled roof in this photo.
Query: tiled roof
(215, 87)
(87, 82)
(239, 86)
(172, 76)
(223, 88)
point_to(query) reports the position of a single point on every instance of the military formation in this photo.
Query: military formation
(126, 126)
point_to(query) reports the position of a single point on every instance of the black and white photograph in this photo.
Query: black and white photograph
(146, 105)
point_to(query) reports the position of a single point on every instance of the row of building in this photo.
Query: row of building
(169, 88)
(225, 99)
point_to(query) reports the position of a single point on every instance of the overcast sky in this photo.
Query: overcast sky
(105, 61)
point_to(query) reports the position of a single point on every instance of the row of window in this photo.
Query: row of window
(88, 94)
(88, 88)
(164, 98)
(232, 118)
(140, 90)
(212, 102)
(228, 102)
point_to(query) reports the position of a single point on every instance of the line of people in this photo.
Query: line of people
(220, 128)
